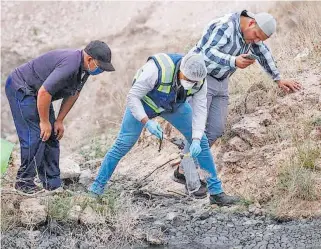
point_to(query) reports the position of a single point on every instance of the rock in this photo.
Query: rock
(178, 221)
(85, 177)
(233, 156)
(93, 164)
(252, 208)
(170, 216)
(33, 235)
(160, 224)
(154, 240)
(74, 213)
(238, 144)
(255, 209)
(146, 217)
(90, 217)
(84, 245)
(32, 212)
(69, 169)
(78, 158)
(302, 55)
(252, 128)
(205, 215)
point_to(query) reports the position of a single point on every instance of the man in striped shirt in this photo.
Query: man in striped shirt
(225, 44)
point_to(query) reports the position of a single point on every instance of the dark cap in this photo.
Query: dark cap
(101, 52)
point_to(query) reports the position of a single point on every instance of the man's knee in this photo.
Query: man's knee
(214, 135)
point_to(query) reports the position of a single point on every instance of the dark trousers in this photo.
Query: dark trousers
(37, 157)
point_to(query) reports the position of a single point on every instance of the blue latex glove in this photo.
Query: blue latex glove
(154, 128)
(195, 148)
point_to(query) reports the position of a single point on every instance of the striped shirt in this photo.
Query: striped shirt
(222, 41)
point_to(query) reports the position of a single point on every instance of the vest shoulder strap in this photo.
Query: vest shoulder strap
(166, 66)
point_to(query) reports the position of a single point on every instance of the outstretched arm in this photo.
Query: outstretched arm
(267, 62)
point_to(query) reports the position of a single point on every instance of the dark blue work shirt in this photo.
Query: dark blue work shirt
(59, 71)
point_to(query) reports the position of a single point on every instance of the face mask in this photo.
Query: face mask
(96, 71)
(186, 84)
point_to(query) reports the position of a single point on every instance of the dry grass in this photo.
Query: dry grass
(293, 186)
(9, 215)
(296, 187)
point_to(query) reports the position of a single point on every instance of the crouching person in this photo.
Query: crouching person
(160, 88)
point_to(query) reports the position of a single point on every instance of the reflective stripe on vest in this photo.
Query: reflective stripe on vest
(152, 104)
(167, 67)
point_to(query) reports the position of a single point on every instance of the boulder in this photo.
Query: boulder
(32, 212)
(252, 128)
(233, 157)
(69, 169)
(85, 177)
(238, 144)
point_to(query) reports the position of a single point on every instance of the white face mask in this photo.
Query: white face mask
(186, 84)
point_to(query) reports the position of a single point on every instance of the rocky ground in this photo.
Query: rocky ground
(269, 155)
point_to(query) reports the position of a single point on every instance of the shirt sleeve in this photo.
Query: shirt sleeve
(57, 80)
(199, 106)
(215, 37)
(266, 60)
(143, 84)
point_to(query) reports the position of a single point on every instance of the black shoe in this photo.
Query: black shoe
(29, 190)
(180, 178)
(201, 192)
(223, 199)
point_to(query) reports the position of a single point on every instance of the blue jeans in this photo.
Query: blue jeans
(129, 133)
(36, 156)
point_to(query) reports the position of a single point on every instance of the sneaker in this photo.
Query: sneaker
(201, 192)
(29, 191)
(223, 199)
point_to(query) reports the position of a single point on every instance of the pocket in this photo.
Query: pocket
(28, 106)
(25, 99)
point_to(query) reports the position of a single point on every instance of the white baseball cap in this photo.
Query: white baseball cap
(265, 21)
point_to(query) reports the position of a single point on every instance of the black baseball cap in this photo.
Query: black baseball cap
(102, 53)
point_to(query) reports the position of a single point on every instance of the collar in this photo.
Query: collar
(82, 73)
(238, 24)
(175, 79)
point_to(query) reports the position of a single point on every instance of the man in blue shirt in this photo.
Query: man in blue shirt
(30, 89)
